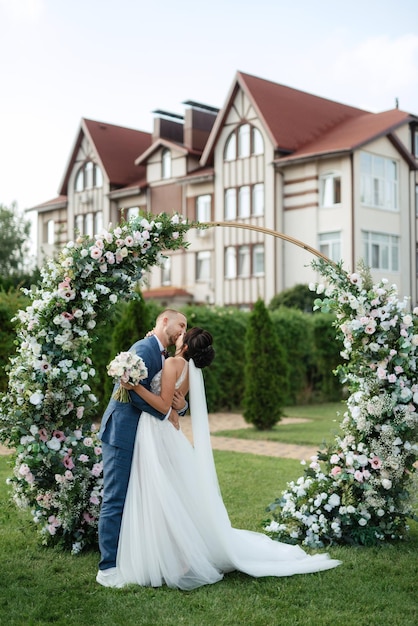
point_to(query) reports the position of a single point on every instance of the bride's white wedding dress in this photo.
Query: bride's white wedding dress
(175, 528)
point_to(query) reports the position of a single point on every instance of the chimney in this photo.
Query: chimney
(168, 126)
(198, 123)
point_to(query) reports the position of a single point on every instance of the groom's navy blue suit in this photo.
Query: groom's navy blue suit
(117, 433)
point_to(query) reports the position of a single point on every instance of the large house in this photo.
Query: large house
(340, 179)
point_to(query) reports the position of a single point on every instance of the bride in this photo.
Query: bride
(175, 527)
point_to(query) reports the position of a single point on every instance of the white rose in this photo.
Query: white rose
(386, 483)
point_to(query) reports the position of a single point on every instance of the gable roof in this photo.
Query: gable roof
(161, 143)
(116, 147)
(291, 117)
(353, 134)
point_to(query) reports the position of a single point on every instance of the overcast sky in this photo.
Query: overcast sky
(118, 60)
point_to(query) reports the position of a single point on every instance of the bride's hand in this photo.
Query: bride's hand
(174, 419)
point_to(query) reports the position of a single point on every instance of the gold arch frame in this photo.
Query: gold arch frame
(274, 233)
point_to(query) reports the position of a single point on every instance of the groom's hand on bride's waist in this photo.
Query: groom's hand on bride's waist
(179, 403)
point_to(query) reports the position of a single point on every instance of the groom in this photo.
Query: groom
(117, 433)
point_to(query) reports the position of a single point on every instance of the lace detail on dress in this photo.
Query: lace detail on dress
(156, 381)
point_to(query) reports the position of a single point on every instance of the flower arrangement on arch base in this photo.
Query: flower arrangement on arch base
(43, 415)
(360, 489)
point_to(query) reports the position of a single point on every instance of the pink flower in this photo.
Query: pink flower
(95, 252)
(58, 434)
(358, 476)
(88, 518)
(83, 458)
(43, 435)
(94, 499)
(80, 411)
(375, 462)
(97, 469)
(392, 378)
(336, 470)
(68, 462)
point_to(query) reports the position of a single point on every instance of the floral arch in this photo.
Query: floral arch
(355, 491)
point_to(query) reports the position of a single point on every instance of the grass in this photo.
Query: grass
(323, 425)
(372, 587)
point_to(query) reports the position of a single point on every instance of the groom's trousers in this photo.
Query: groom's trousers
(116, 470)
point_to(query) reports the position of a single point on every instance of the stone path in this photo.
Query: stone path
(233, 421)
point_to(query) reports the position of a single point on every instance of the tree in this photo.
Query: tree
(265, 371)
(14, 242)
(297, 297)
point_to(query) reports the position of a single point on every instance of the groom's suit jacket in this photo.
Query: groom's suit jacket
(120, 420)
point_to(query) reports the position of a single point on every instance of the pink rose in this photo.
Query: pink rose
(336, 470)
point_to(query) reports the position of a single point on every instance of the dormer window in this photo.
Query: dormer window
(244, 141)
(166, 164)
(88, 176)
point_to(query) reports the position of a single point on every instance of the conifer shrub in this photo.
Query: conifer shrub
(265, 371)
(10, 302)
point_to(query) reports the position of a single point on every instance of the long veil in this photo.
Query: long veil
(247, 551)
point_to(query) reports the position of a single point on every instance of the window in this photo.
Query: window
(166, 164)
(79, 224)
(381, 251)
(258, 259)
(88, 176)
(230, 204)
(203, 208)
(258, 142)
(416, 200)
(231, 148)
(230, 262)
(89, 225)
(379, 181)
(258, 199)
(244, 145)
(98, 222)
(244, 261)
(330, 189)
(244, 201)
(203, 265)
(50, 232)
(244, 205)
(166, 271)
(330, 245)
(133, 211)
(244, 141)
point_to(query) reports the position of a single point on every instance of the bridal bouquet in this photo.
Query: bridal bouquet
(126, 367)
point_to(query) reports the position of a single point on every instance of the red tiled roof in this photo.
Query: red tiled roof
(165, 292)
(117, 148)
(291, 117)
(351, 134)
(59, 202)
(294, 117)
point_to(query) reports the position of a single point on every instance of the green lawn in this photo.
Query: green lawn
(373, 586)
(323, 424)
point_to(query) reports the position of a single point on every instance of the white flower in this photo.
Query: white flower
(386, 483)
(54, 444)
(36, 398)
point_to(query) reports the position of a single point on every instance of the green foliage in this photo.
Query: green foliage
(14, 245)
(265, 371)
(326, 357)
(297, 297)
(224, 378)
(294, 332)
(10, 303)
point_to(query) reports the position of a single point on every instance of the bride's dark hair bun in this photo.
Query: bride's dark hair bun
(199, 347)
